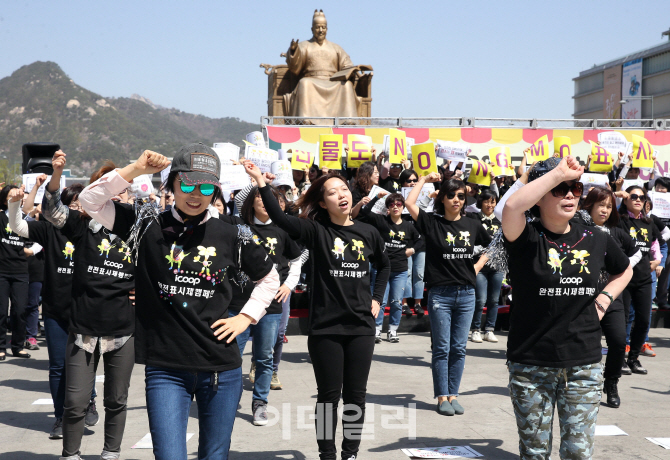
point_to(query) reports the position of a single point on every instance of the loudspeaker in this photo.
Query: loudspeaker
(37, 157)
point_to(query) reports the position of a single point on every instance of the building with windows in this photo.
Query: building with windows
(636, 86)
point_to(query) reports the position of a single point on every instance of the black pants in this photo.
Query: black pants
(341, 367)
(613, 326)
(640, 297)
(662, 286)
(80, 379)
(15, 287)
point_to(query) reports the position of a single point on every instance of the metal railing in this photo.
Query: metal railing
(465, 122)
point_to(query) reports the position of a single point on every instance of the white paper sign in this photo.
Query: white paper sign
(661, 204)
(663, 442)
(282, 154)
(29, 180)
(591, 180)
(165, 173)
(256, 138)
(613, 141)
(453, 151)
(425, 191)
(409, 142)
(44, 401)
(283, 172)
(227, 152)
(442, 452)
(261, 157)
(234, 177)
(142, 186)
(380, 205)
(632, 182)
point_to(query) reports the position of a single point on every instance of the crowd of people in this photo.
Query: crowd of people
(181, 281)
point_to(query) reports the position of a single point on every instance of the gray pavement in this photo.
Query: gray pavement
(400, 376)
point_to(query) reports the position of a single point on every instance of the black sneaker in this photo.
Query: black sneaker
(636, 367)
(418, 309)
(57, 430)
(406, 311)
(91, 418)
(260, 412)
(625, 370)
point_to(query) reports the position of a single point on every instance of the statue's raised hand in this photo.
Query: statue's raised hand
(294, 45)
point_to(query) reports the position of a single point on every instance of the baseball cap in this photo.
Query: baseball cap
(197, 164)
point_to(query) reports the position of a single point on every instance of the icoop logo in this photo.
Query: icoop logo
(187, 279)
(109, 263)
(347, 265)
(572, 280)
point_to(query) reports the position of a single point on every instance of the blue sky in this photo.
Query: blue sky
(431, 59)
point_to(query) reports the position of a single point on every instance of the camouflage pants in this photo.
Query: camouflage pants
(536, 390)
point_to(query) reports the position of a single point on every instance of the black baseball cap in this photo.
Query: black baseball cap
(197, 164)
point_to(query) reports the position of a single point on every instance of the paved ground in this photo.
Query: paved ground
(400, 376)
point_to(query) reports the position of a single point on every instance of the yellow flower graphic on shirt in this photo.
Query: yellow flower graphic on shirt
(555, 261)
(69, 250)
(644, 233)
(256, 239)
(465, 236)
(205, 253)
(358, 247)
(271, 244)
(579, 257)
(391, 233)
(125, 250)
(451, 239)
(176, 258)
(339, 248)
(401, 235)
(104, 247)
(633, 233)
(8, 230)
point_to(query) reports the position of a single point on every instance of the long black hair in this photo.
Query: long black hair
(447, 186)
(247, 212)
(309, 201)
(3, 196)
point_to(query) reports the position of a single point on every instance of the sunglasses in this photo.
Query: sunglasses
(562, 189)
(396, 204)
(411, 181)
(205, 189)
(460, 196)
(635, 197)
(396, 166)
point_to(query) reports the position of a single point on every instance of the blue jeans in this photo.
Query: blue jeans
(169, 395)
(487, 292)
(56, 342)
(395, 289)
(33, 309)
(451, 309)
(415, 267)
(283, 322)
(265, 336)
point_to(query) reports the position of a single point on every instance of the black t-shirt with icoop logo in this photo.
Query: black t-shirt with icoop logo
(184, 279)
(554, 322)
(104, 268)
(449, 248)
(12, 257)
(58, 269)
(643, 235)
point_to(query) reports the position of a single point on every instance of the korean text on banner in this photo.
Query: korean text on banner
(142, 186)
(601, 159)
(613, 141)
(380, 205)
(283, 173)
(360, 150)
(301, 159)
(29, 181)
(642, 153)
(501, 159)
(480, 173)
(425, 191)
(234, 177)
(425, 161)
(661, 202)
(562, 146)
(261, 157)
(397, 146)
(330, 151)
(539, 151)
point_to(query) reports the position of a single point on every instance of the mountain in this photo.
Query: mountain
(39, 102)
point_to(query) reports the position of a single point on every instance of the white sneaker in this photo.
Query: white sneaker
(476, 337)
(393, 337)
(490, 337)
(378, 336)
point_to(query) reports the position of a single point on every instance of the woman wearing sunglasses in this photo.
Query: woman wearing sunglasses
(553, 346)
(637, 294)
(186, 260)
(342, 310)
(399, 237)
(417, 261)
(450, 276)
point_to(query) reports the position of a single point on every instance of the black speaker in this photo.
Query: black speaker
(37, 157)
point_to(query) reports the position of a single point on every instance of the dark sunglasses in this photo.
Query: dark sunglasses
(562, 189)
(396, 204)
(205, 189)
(411, 181)
(460, 196)
(635, 197)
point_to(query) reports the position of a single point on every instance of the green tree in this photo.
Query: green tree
(10, 173)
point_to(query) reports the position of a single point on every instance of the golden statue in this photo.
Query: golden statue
(325, 70)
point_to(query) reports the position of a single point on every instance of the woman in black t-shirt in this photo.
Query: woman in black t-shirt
(367, 177)
(638, 293)
(553, 347)
(450, 276)
(342, 310)
(186, 259)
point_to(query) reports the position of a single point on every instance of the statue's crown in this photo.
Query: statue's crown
(318, 14)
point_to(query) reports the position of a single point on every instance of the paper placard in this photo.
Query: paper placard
(142, 186)
(601, 159)
(165, 173)
(609, 430)
(642, 153)
(425, 161)
(539, 151)
(29, 181)
(562, 146)
(360, 150)
(234, 177)
(397, 146)
(501, 159)
(594, 179)
(283, 172)
(663, 442)
(301, 159)
(380, 205)
(632, 183)
(227, 151)
(43, 401)
(613, 141)
(442, 452)
(261, 157)
(480, 173)
(331, 147)
(453, 151)
(282, 154)
(661, 204)
(426, 190)
(256, 138)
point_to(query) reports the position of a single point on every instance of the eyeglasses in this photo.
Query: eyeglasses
(205, 189)
(396, 204)
(562, 189)
(396, 166)
(635, 197)
(411, 181)
(75, 206)
(460, 196)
